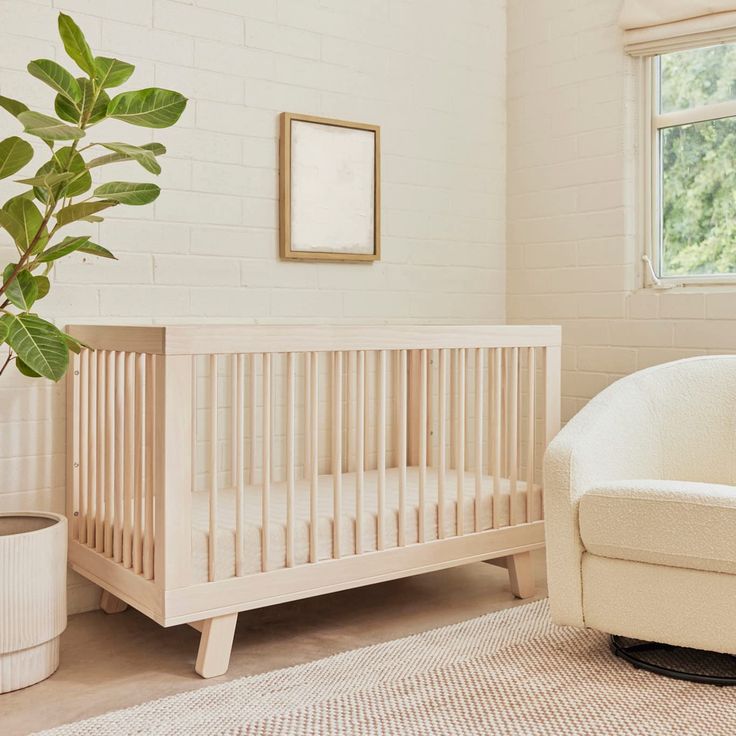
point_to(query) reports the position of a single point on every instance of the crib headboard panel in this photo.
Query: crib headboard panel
(422, 433)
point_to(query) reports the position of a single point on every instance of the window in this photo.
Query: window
(693, 165)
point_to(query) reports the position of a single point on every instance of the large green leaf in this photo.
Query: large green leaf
(57, 78)
(3, 331)
(21, 289)
(26, 223)
(43, 285)
(73, 344)
(112, 72)
(39, 344)
(48, 128)
(15, 153)
(64, 161)
(94, 249)
(76, 45)
(157, 149)
(12, 226)
(151, 107)
(14, 107)
(46, 181)
(92, 106)
(127, 192)
(67, 246)
(79, 211)
(144, 156)
(26, 370)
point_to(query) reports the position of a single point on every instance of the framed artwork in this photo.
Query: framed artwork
(329, 189)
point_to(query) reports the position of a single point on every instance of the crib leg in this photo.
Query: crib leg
(521, 573)
(110, 603)
(213, 657)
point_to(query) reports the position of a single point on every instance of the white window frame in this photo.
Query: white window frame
(650, 180)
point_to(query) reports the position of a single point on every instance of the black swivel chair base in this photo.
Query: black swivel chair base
(681, 663)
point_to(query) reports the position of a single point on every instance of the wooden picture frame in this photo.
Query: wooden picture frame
(290, 249)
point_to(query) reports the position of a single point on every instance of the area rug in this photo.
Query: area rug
(510, 672)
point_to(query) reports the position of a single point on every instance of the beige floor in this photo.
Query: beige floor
(110, 662)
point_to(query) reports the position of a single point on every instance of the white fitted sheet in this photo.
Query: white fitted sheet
(225, 554)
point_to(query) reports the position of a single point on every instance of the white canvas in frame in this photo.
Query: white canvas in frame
(330, 190)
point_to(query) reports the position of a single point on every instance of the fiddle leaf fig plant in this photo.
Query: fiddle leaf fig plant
(60, 193)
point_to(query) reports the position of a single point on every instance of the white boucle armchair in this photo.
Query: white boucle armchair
(641, 508)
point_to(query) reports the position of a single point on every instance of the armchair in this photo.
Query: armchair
(640, 508)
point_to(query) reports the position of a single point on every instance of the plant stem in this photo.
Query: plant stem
(7, 361)
(27, 254)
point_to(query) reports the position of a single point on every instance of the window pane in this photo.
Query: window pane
(697, 77)
(699, 198)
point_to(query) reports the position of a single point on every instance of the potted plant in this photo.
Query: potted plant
(57, 196)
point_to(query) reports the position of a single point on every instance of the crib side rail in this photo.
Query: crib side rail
(229, 339)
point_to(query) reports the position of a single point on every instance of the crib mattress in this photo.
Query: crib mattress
(251, 556)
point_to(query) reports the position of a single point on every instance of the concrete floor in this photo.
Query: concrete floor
(111, 662)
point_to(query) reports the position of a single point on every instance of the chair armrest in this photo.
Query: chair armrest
(614, 437)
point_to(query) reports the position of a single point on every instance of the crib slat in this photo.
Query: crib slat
(381, 453)
(403, 429)
(252, 410)
(307, 414)
(194, 463)
(350, 410)
(460, 445)
(442, 442)
(100, 448)
(129, 482)
(239, 460)
(266, 469)
(422, 443)
(118, 488)
(336, 453)
(233, 420)
(290, 459)
(497, 431)
(150, 458)
(359, 449)
(530, 429)
(109, 450)
(505, 412)
(73, 433)
(430, 412)
(314, 459)
(92, 449)
(84, 443)
(453, 408)
(140, 441)
(213, 499)
(552, 371)
(513, 390)
(478, 436)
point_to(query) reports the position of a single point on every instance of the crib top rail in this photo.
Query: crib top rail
(232, 338)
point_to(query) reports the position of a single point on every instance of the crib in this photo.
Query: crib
(216, 469)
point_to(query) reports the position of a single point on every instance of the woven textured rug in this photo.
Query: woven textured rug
(510, 672)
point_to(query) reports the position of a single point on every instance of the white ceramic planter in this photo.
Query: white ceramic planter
(32, 596)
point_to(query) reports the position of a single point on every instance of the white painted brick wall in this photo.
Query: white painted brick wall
(430, 72)
(572, 249)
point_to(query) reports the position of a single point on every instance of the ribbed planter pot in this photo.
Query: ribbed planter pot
(32, 596)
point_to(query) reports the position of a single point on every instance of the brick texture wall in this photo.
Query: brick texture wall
(573, 254)
(431, 73)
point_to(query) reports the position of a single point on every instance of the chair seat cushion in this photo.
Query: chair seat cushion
(682, 524)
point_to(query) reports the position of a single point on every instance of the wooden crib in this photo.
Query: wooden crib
(215, 469)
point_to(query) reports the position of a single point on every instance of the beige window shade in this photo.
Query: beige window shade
(655, 26)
